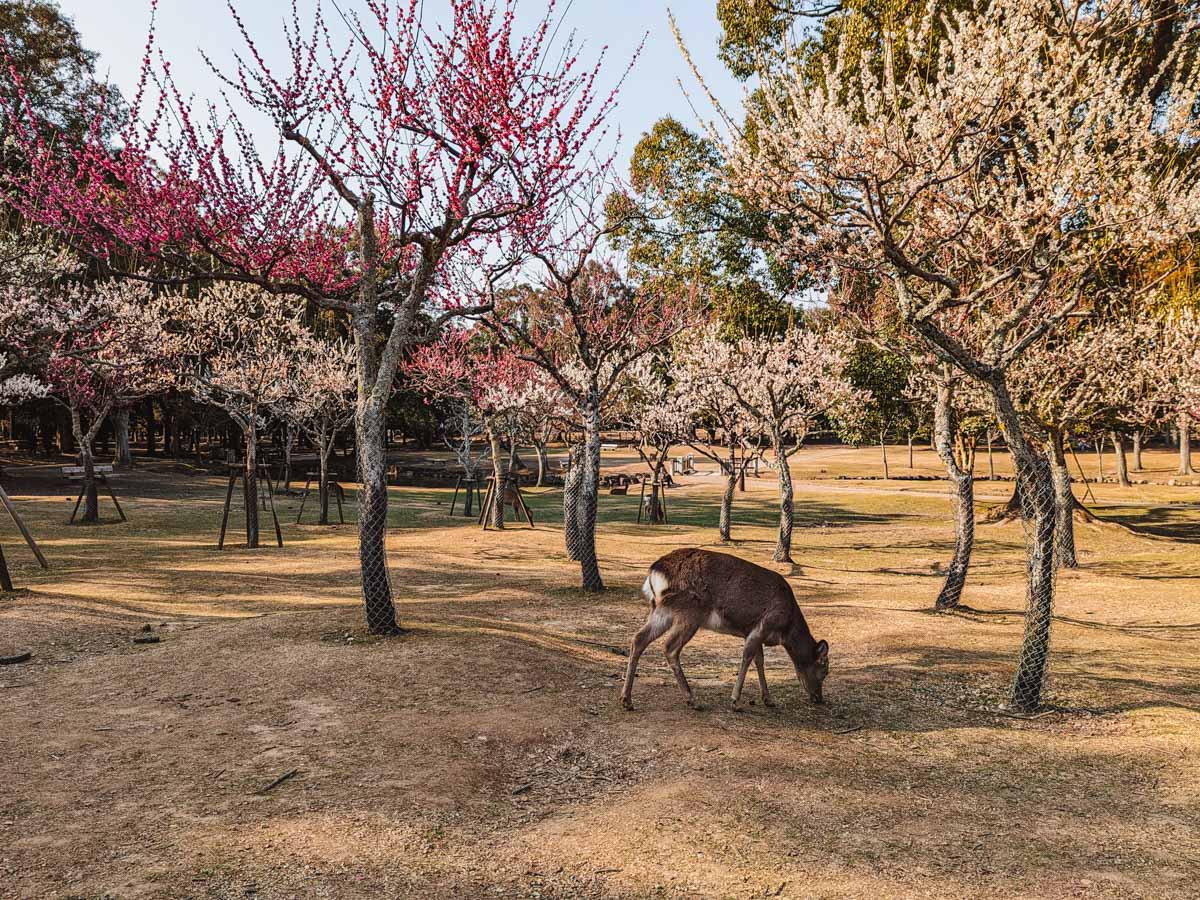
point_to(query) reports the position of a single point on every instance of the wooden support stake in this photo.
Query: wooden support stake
(108, 487)
(225, 514)
(340, 497)
(303, 500)
(5, 579)
(274, 516)
(20, 523)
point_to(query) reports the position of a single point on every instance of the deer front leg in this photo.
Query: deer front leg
(655, 626)
(752, 649)
(680, 634)
(762, 679)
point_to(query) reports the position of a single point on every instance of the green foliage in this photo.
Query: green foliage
(679, 226)
(889, 413)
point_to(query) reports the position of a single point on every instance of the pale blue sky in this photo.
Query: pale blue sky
(117, 30)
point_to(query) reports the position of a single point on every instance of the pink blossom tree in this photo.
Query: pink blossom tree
(996, 178)
(94, 347)
(400, 151)
(584, 325)
(486, 380)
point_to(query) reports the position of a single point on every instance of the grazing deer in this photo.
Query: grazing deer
(692, 589)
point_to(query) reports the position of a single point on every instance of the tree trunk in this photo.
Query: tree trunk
(499, 481)
(289, 444)
(964, 500)
(1185, 445)
(726, 521)
(91, 499)
(991, 457)
(1137, 450)
(1038, 505)
(1118, 442)
(251, 484)
(123, 458)
(324, 447)
(783, 547)
(883, 451)
(542, 462)
(372, 520)
(1064, 504)
(571, 486)
(151, 429)
(1100, 458)
(910, 451)
(589, 497)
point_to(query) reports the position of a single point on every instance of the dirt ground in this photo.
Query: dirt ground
(483, 754)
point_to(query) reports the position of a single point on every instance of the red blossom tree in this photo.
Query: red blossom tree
(401, 151)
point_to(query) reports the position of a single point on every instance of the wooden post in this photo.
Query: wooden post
(225, 514)
(5, 579)
(20, 523)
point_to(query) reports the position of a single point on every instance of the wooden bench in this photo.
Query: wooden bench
(102, 474)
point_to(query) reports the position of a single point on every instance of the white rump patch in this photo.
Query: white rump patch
(654, 585)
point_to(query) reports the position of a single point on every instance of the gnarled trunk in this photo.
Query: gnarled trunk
(589, 497)
(499, 481)
(372, 520)
(571, 485)
(1038, 506)
(783, 547)
(963, 484)
(1064, 504)
(726, 521)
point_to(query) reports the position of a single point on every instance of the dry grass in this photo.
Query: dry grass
(483, 754)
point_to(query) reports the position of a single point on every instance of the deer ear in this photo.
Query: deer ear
(821, 653)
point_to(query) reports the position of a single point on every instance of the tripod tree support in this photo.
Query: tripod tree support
(511, 493)
(238, 473)
(339, 496)
(473, 494)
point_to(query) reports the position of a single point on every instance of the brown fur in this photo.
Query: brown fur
(691, 589)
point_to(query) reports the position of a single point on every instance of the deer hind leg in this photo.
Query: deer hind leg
(656, 626)
(677, 639)
(751, 652)
(762, 679)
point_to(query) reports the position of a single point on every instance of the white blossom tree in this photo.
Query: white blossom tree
(93, 348)
(715, 407)
(660, 416)
(786, 385)
(320, 402)
(238, 348)
(994, 177)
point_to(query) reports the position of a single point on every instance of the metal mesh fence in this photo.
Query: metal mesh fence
(372, 535)
(572, 484)
(1037, 498)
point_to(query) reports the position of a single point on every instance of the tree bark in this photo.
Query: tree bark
(324, 448)
(571, 485)
(1038, 503)
(91, 498)
(964, 500)
(1064, 504)
(783, 547)
(250, 432)
(289, 444)
(542, 462)
(589, 497)
(726, 520)
(1137, 450)
(499, 481)
(151, 428)
(910, 451)
(991, 457)
(883, 450)
(1118, 442)
(370, 423)
(1185, 445)
(123, 458)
